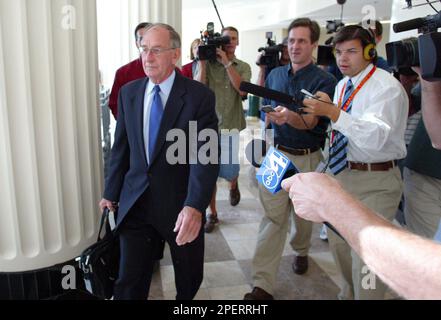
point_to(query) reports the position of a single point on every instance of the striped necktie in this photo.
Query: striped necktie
(337, 152)
(156, 112)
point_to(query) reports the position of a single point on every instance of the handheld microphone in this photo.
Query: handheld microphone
(274, 169)
(280, 97)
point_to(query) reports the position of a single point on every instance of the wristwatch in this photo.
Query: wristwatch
(228, 64)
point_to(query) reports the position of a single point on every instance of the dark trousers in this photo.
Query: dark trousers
(141, 245)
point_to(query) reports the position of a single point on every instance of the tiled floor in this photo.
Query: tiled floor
(229, 250)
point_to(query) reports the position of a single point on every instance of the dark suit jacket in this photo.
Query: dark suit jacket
(171, 187)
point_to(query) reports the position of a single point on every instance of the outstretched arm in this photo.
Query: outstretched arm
(409, 264)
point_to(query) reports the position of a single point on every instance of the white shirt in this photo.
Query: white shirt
(377, 121)
(165, 87)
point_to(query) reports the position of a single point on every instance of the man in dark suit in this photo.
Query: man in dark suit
(159, 201)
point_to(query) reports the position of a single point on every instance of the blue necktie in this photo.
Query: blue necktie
(337, 152)
(156, 112)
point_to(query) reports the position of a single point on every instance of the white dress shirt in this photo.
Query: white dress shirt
(376, 123)
(165, 87)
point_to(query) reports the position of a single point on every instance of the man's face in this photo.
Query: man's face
(299, 45)
(139, 35)
(234, 41)
(158, 58)
(349, 55)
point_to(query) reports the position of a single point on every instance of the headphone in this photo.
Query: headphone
(370, 51)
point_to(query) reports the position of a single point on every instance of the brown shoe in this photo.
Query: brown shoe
(258, 294)
(210, 223)
(300, 264)
(235, 195)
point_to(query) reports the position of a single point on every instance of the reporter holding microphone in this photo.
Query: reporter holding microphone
(299, 139)
(368, 117)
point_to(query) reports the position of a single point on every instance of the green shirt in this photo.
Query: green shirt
(228, 101)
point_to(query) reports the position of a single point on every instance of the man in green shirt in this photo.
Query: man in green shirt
(224, 76)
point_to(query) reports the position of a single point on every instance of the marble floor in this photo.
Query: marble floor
(230, 247)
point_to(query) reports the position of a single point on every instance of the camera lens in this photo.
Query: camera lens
(411, 49)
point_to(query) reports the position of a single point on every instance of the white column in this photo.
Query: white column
(50, 149)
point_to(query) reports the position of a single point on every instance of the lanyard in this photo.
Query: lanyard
(348, 102)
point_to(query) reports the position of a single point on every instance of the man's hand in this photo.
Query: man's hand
(106, 204)
(281, 115)
(325, 107)
(311, 194)
(222, 56)
(188, 225)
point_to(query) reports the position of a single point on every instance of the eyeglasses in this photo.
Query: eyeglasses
(154, 51)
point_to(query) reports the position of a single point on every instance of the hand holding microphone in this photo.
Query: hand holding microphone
(277, 167)
(274, 168)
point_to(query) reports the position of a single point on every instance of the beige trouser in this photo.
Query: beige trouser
(275, 225)
(381, 191)
(422, 206)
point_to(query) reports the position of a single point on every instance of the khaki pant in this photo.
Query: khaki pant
(275, 225)
(422, 208)
(380, 191)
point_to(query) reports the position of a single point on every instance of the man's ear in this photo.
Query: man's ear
(176, 55)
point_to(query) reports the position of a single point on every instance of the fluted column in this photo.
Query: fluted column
(50, 149)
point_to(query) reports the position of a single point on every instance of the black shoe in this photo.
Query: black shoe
(210, 223)
(235, 195)
(258, 294)
(300, 264)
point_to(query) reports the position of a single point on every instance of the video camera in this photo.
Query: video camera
(325, 54)
(271, 53)
(211, 41)
(423, 51)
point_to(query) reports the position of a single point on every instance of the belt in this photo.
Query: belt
(297, 152)
(380, 166)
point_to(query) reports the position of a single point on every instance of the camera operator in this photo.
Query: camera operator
(224, 77)
(300, 139)
(368, 138)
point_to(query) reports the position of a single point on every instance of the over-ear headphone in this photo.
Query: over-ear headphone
(370, 50)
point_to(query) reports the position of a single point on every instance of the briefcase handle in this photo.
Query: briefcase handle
(110, 217)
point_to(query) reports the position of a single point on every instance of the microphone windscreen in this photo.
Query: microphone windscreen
(408, 25)
(267, 93)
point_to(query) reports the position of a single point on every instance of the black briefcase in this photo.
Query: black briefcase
(100, 262)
